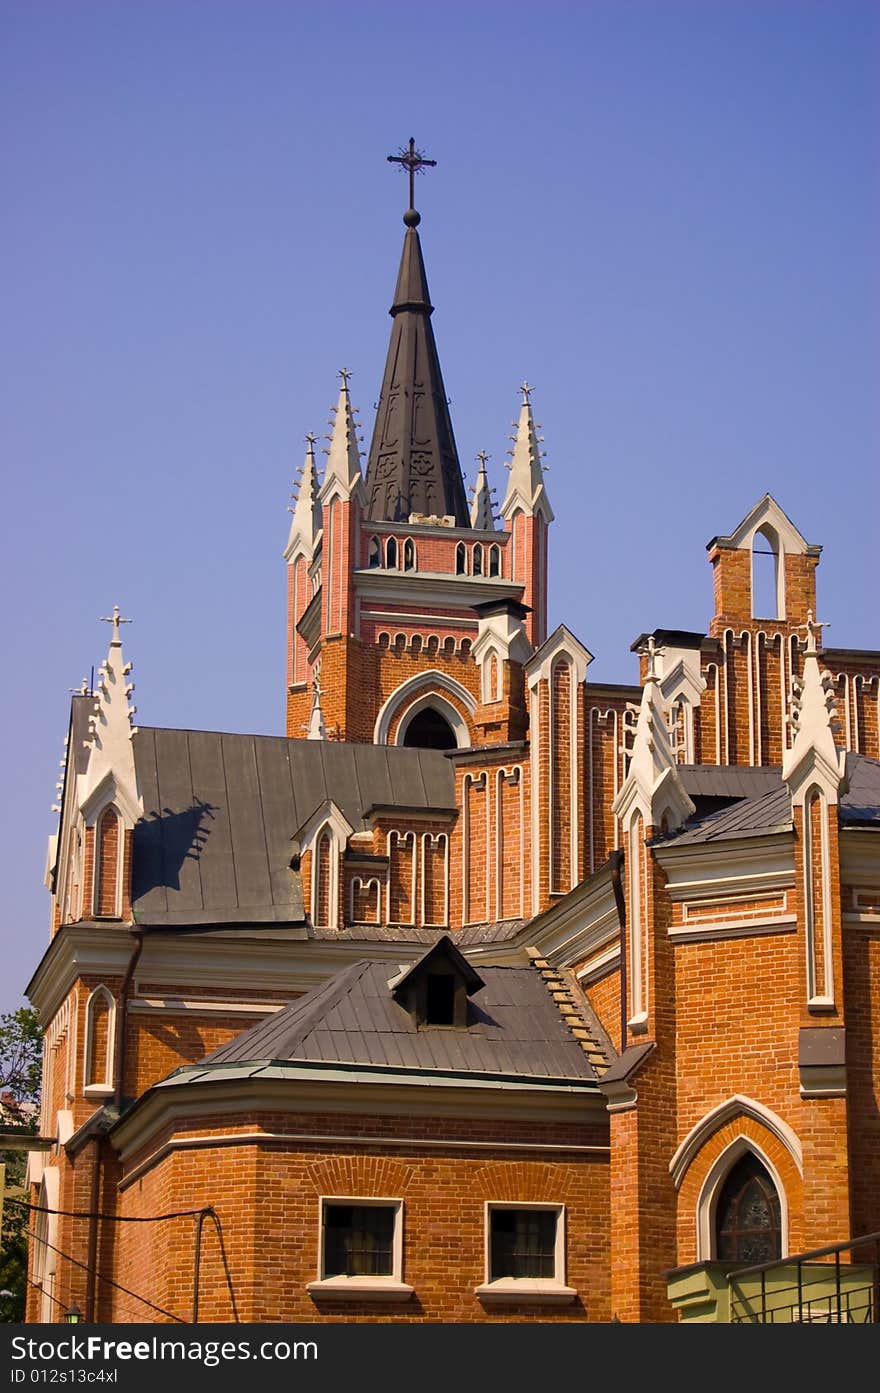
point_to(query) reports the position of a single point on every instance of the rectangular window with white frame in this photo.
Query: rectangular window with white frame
(525, 1254)
(360, 1255)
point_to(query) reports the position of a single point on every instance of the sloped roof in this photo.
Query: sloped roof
(860, 805)
(769, 811)
(515, 1030)
(220, 813)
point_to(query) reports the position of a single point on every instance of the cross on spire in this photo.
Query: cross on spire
(526, 390)
(310, 438)
(411, 160)
(482, 456)
(115, 619)
(345, 374)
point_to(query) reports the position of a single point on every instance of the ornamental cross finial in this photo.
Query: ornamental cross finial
(814, 629)
(115, 619)
(310, 441)
(651, 649)
(482, 456)
(413, 161)
(526, 390)
(345, 374)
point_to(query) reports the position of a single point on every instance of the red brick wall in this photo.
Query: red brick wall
(268, 1197)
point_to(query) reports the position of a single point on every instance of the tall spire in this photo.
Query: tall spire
(343, 456)
(413, 463)
(305, 523)
(111, 727)
(481, 504)
(525, 487)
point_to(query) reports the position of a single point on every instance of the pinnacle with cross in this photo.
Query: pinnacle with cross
(526, 390)
(651, 650)
(115, 619)
(412, 160)
(345, 374)
(482, 456)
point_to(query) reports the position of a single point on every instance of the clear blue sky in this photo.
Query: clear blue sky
(664, 214)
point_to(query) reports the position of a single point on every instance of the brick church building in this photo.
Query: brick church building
(486, 992)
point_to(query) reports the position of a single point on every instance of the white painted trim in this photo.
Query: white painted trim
(402, 837)
(435, 679)
(739, 928)
(105, 1083)
(365, 1202)
(445, 709)
(707, 1202)
(503, 1287)
(823, 948)
(311, 1139)
(178, 1005)
(735, 1106)
(431, 837)
(365, 885)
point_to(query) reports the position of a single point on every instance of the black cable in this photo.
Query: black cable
(114, 1218)
(118, 1285)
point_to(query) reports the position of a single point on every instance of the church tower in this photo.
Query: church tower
(393, 578)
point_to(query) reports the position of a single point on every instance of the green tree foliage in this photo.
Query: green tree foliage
(21, 1054)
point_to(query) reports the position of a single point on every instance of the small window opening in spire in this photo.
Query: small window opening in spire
(460, 559)
(495, 560)
(391, 554)
(374, 556)
(409, 555)
(478, 560)
(766, 575)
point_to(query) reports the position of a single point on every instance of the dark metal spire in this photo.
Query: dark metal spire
(413, 463)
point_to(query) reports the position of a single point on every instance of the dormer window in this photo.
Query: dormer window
(435, 990)
(440, 1003)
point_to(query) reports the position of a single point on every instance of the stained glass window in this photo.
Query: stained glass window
(748, 1226)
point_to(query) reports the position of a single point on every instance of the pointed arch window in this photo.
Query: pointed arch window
(374, 555)
(100, 1031)
(495, 560)
(409, 555)
(477, 566)
(391, 553)
(109, 838)
(748, 1224)
(460, 559)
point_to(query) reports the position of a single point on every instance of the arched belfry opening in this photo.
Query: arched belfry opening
(429, 730)
(767, 598)
(748, 1223)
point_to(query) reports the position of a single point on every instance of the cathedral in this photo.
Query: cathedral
(485, 992)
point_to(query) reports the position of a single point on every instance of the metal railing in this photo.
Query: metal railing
(811, 1288)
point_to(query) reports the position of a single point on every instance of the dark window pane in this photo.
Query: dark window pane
(523, 1243)
(358, 1240)
(430, 731)
(440, 1003)
(748, 1226)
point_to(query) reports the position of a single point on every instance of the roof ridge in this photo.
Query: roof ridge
(574, 1013)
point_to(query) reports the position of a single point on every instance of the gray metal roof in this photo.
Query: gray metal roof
(770, 811)
(750, 817)
(860, 805)
(220, 813)
(729, 780)
(515, 1029)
